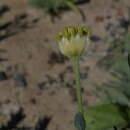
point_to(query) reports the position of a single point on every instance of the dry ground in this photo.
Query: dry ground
(33, 50)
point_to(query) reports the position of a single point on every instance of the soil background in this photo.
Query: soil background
(38, 78)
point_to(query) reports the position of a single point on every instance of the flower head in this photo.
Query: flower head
(73, 40)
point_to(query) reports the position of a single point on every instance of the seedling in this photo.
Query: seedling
(55, 7)
(73, 41)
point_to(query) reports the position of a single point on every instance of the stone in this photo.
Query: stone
(42, 85)
(20, 80)
(3, 76)
(3, 9)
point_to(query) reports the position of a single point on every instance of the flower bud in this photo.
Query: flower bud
(73, 40)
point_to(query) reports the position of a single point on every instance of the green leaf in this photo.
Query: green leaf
(76, 9)
(110, 129)
(117, 96)
(106, 116)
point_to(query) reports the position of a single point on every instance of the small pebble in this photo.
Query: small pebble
(3, 76)
(3, 9)
(20, 80)
(42, 86)
(108, 26)
(108, 17)
(20, 16)
(69, 68)
(33, 101)
(51, 80)
(95, 38)
(56, 58)
(43, 123)
(72, 92)
(83, 75)
(99, 19)
(124, 23)
(62, 77)
(68, 85)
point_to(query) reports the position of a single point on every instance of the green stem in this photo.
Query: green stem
(78, 84)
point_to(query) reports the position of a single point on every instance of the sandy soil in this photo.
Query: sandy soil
(32, 50)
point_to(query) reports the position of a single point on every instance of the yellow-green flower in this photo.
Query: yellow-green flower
(73, 40)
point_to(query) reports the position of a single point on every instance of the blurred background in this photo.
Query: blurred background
(37, 87)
